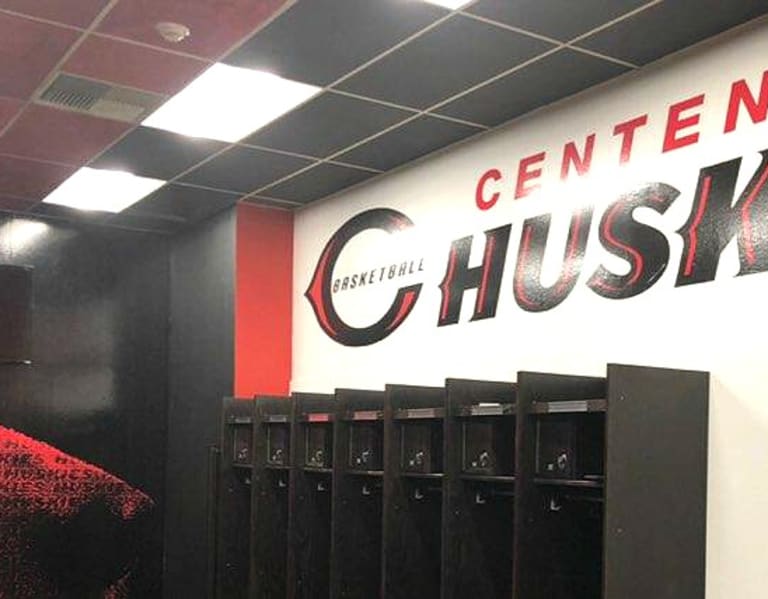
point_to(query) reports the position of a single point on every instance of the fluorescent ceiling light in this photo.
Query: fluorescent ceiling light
(107, 191)
(227, 103)
(452, 4)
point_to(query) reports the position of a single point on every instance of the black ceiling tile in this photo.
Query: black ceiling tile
(182, 203)
(554, 77)
(327, 124)
(414, 139)
(559, 19)
(453, 56)
(155, 153)
(272, 203)
(316, 183)
(671, 26)
(318, 41)
(140, 222)
(244, 170)
(70, 214)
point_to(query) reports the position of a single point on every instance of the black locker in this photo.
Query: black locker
(413, 491)
(231, 487)
(309, 528)
(270, 497)
(356, 543)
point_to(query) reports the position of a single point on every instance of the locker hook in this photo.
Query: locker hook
(555, 505)
(479, 499)
(366, 490)
(418, 494)
(321, 486)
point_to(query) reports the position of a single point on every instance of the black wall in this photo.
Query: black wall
(201, 373)
(99, 386)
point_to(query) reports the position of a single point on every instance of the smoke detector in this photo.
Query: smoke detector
(172, 32)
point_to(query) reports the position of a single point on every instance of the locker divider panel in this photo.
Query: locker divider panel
(656, 521)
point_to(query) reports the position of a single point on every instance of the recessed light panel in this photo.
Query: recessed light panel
(451, 4)
(103, 190)
(227, 103)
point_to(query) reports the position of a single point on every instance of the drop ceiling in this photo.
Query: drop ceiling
(399, 78)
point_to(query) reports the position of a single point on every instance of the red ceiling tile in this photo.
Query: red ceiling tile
(216, 25)
(16, 204)
(29, 179)
(80, 13)
(132, 65)
(46, 133)
(9, 108)
(28, 52)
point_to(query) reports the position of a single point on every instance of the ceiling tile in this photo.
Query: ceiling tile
(215, 26)
(135, 66)
(156, 153)
(327, 124)
(319, 41)
(9, 108)
(551, 78)
(29, 179)
(71, 214)
(244, 170)
(412, 140)
(435, 66)
(144, 223)
(15, 204)
(60, 136)
(671, 26)
(182, 204)
(28, 52)
(79, 14)
(559, 19)
(316, 183)
(271, 203)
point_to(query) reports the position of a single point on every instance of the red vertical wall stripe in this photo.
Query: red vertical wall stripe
(264, 278)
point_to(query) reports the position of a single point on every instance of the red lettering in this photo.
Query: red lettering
(526, 174)
(741, 94)
(492, 175)
(676, 123)
(627, 131)
(571, 157)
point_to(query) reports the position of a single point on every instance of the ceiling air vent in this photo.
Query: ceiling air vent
(99, 99)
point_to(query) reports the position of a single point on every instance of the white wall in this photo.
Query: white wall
(718, 326)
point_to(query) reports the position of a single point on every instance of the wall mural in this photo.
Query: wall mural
(67, 528)
(717, 217)
(83, 408)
